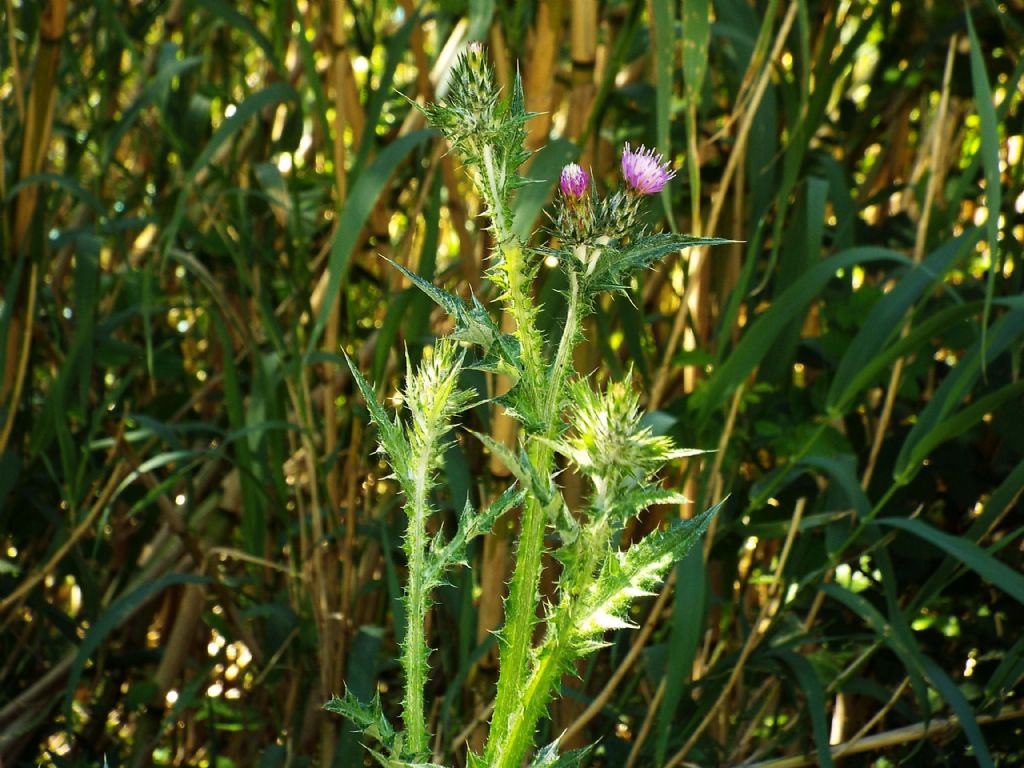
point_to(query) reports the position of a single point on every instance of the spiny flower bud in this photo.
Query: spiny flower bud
(645, 170)
(573, 182)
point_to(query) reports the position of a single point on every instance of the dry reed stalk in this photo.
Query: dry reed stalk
(336, 42)
(757, 631)
(543, 43)
(12, 53)
(936, 158)
(894, 738)
(583, 20)
(37, 124)
(648, 723)
(738, 152)
(334, 638)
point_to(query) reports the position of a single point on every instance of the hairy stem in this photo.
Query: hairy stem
(415, 650)
(516, 715)
(533, 698)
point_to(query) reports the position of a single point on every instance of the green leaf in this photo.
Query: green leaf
(990, 162)
(473, 326)
(392, 436)
(548, 757)
(913, 454)
(481, 12)
(765, 329)
(687, 628)
(353, 216)
(113, 615)
(368, 718)
(966, 552)
(883, 322)
(962, 709)
(960, 381)
(616, 265)
(817, 708)
(626, 575)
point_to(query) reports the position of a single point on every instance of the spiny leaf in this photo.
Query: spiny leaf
(628, 574)
(368, 718)
(519, 466)
(548, 757)
(615, 264)
(392, 438)
(470, 526)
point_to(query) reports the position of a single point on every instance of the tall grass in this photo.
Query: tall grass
(198, 546)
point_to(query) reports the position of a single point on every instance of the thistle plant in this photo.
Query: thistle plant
(599, 245)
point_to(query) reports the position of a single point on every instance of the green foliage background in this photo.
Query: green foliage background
(197, 546)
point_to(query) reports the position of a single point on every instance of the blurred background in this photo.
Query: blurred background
(197, 543)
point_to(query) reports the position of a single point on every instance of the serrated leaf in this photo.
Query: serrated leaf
(548, 757)
(628, 574)
(392, 438)
(616, 264)
(367, 717)
(470, 526)
(472, 325)
(519, 466)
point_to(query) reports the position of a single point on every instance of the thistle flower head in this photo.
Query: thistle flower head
(573, 181)
(609, 442)
(645, 170)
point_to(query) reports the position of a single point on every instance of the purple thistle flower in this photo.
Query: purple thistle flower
(574, 181)
(645, 171)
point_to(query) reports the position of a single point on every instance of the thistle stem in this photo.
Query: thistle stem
(515, 715)
(533, 699)
(415, 649)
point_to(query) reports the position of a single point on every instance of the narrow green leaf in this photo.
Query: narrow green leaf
(112, 616)
(966, 552)
(961, 707)
(956, 386)
(817, 708)
(765, 329)
(687, 627)
(883, 322)
(353, 216)
(990, 162)
(909, 462)
(481, 12)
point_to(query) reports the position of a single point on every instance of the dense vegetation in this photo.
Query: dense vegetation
(198, 546)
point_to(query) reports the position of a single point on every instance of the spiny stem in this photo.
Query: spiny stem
(565, 347)
(534, 697)
(497, 205)
(520, 611)
(415, 650)
(513, 721)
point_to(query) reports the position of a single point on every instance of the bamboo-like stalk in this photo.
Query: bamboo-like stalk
(38, 122)
(334, 636)
(908, 734)
(544, 41)
(758, 629)
(736, 156)
(583, 19)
